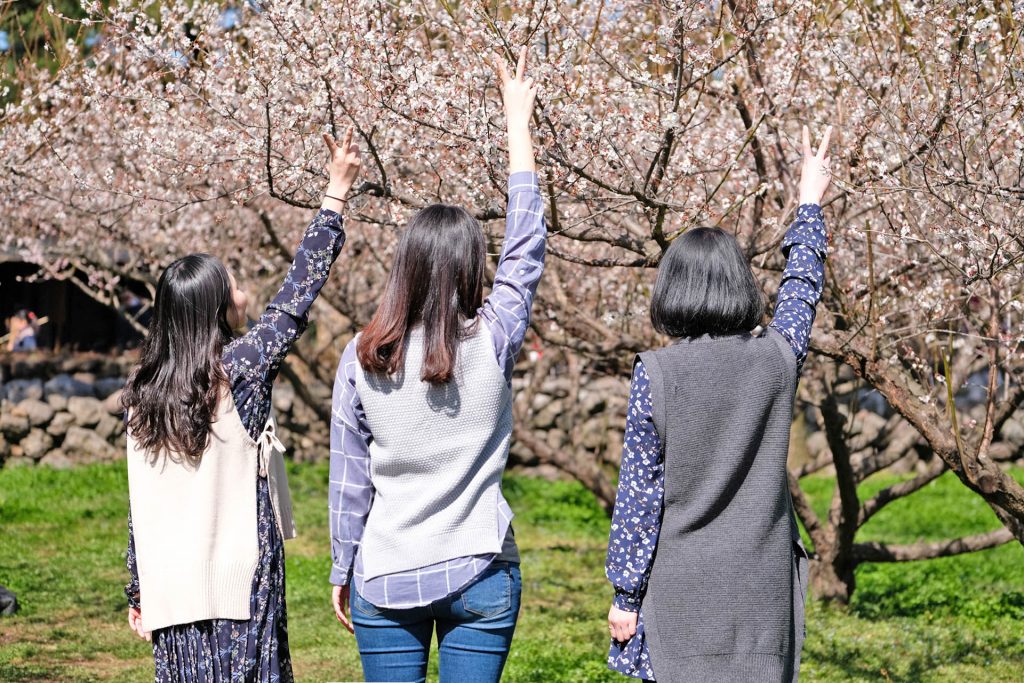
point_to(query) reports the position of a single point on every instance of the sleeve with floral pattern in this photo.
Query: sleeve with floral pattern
(636, 520)
(804, 246)
(254, 359)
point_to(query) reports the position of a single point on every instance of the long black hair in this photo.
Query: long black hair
(437, 280)
(705, 286)
(174, 391)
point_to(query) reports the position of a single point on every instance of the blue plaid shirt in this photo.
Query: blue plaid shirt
(506, 314)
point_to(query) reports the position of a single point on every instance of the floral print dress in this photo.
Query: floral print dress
(256, 650)
(636, 520)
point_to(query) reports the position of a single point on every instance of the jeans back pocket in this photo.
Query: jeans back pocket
(490, 594)
(364, 606)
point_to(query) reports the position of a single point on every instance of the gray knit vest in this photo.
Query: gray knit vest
(719, 603)
(436, 459)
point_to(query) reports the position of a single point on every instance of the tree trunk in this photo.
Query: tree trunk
(832, 579)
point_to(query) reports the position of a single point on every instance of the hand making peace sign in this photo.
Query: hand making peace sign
(518, 93)
(816, 172)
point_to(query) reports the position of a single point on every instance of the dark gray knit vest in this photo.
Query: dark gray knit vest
(720, 602)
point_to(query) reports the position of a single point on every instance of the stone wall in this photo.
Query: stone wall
(61, 411)
(597, 422)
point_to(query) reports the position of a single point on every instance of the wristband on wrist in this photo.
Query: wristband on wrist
(337, 199)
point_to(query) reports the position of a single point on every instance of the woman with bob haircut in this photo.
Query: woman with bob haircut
(209, 504)
(709, 571)
(421, 422)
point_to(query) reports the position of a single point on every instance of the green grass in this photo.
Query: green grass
(62, 552)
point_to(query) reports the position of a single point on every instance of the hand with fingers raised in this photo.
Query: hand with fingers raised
(519, 93)
(816, 172)
(343, 167)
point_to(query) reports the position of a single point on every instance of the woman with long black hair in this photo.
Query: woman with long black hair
(421, 534)
(209, 500)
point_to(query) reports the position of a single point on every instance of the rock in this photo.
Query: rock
(112, 404)
(85, 446)
(86, 410)
(545, 418)
(80, 363)
(556, 386)
(57, 460)
(549, 472)
(282, 397)
(18, 390)
(84, 377)
(107, 386)
(12, 425)
(19, 461)
(5, 450)
(36, 444)
(866, 428)
(595, 435)
(1013, 432)
(911, 462)
(59, 424)
(66, 385)
(521, 455)
(37, 412)
(556, 438)
(613, 455)
(57, 402)
(540, 401)
(108, 427)
(593, 402)
(8, 602)
(817, 444)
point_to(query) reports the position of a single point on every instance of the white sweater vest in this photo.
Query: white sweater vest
(195, 532)
(436, 458)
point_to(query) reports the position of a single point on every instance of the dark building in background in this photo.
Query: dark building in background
(76, 321)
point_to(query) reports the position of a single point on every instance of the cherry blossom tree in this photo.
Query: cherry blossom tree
(191, 127)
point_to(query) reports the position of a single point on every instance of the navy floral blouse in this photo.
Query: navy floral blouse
(257, 649)
(636, 519)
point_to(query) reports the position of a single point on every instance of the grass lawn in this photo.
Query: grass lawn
(62, 537)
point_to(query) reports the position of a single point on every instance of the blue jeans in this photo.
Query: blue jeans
(474, 631)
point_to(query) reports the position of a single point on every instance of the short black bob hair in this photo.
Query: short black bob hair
(705, 286)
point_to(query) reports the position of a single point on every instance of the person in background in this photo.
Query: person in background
(130, 307)
(21, 329)
(421, 535)
(209, 504)
(705, 556)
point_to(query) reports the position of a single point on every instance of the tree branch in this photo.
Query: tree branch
(881, 552)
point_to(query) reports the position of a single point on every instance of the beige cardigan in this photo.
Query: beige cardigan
(195, 529)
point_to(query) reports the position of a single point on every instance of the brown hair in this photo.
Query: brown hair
(436, 280)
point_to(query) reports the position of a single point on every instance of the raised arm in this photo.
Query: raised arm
(805, 247)
(507, 310)
(254, 359)
(518, 93)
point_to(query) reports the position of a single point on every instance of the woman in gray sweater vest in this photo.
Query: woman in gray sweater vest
(421, 535)
(705, 555)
